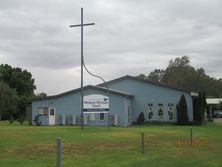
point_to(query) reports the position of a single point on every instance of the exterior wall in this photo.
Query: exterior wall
(70, 104)
(145, 93)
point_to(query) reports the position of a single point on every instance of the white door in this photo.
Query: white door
(52, 116)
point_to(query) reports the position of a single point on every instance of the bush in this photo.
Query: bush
(11, 120)
(36, 120)
(182, 117)
(21, 120)
(141, 119)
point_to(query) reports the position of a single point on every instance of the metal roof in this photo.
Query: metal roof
(121, 93)
(145, 81)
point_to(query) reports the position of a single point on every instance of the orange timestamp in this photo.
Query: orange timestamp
(193, 143)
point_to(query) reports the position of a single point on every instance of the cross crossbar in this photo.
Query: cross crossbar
(78, 25)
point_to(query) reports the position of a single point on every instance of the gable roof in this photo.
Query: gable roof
(121, 93)
(144, 81)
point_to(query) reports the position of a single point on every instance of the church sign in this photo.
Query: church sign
(95, 103)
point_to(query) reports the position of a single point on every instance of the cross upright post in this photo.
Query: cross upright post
(81, 25)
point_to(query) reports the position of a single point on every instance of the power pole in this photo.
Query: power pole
(81, 25)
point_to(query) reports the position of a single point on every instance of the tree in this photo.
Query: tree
(22, 82)
(156, 75)
(180, 62)
(141, 76)
(41, 95)
(202, 101)
(8, 99)
(179, 73)
(182, 117)
(220, 105)
(141, 119)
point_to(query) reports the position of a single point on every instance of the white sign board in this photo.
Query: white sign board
(95, 103)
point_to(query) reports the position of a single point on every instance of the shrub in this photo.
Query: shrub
(182, 117)
(36, 120)
(141, 119)
(11, 120)
(21, 120)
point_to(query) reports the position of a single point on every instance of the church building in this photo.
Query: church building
(126, 98)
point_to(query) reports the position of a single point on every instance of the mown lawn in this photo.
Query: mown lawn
(25, 146)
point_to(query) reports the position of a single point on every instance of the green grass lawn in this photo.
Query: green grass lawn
(31, 146)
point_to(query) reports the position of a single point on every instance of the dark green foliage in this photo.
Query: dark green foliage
(21, 120)
(37, 121)
(220, 105)
(181, 74)
(141, 119)
(156, 75)
(8, 100)
(182, 117)
(23, 84)
(202, 101)
(11, 119)
(196, 110)
(41, 95)
(199, 108)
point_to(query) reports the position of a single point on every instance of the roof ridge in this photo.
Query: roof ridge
(146, 81)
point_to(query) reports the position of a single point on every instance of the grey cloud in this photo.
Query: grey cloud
(129, 37)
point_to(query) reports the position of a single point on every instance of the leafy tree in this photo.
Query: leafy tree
(8, 99)
(179, 73)
(41, 95)
(156, 75)
(19, 79)
(180, 62)
(141, 76)
(22, 82)
(220, 105)
(202, 100)
(182, 117)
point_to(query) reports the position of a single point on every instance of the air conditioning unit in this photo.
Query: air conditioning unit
(71, 119)
(85, 119)
(62, 119)
(114, 120)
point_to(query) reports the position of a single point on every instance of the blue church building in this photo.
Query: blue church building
(128, 97)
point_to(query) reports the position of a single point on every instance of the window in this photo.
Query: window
(150, 105)
(160, 114)
(52, 112)
(150, 111)
(160, 105)
(43, 110)
(101, 116)
(150, 115)
(160, 111)
(92, 117)
(170, 111)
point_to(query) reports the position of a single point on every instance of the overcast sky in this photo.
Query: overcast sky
(129, 38)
